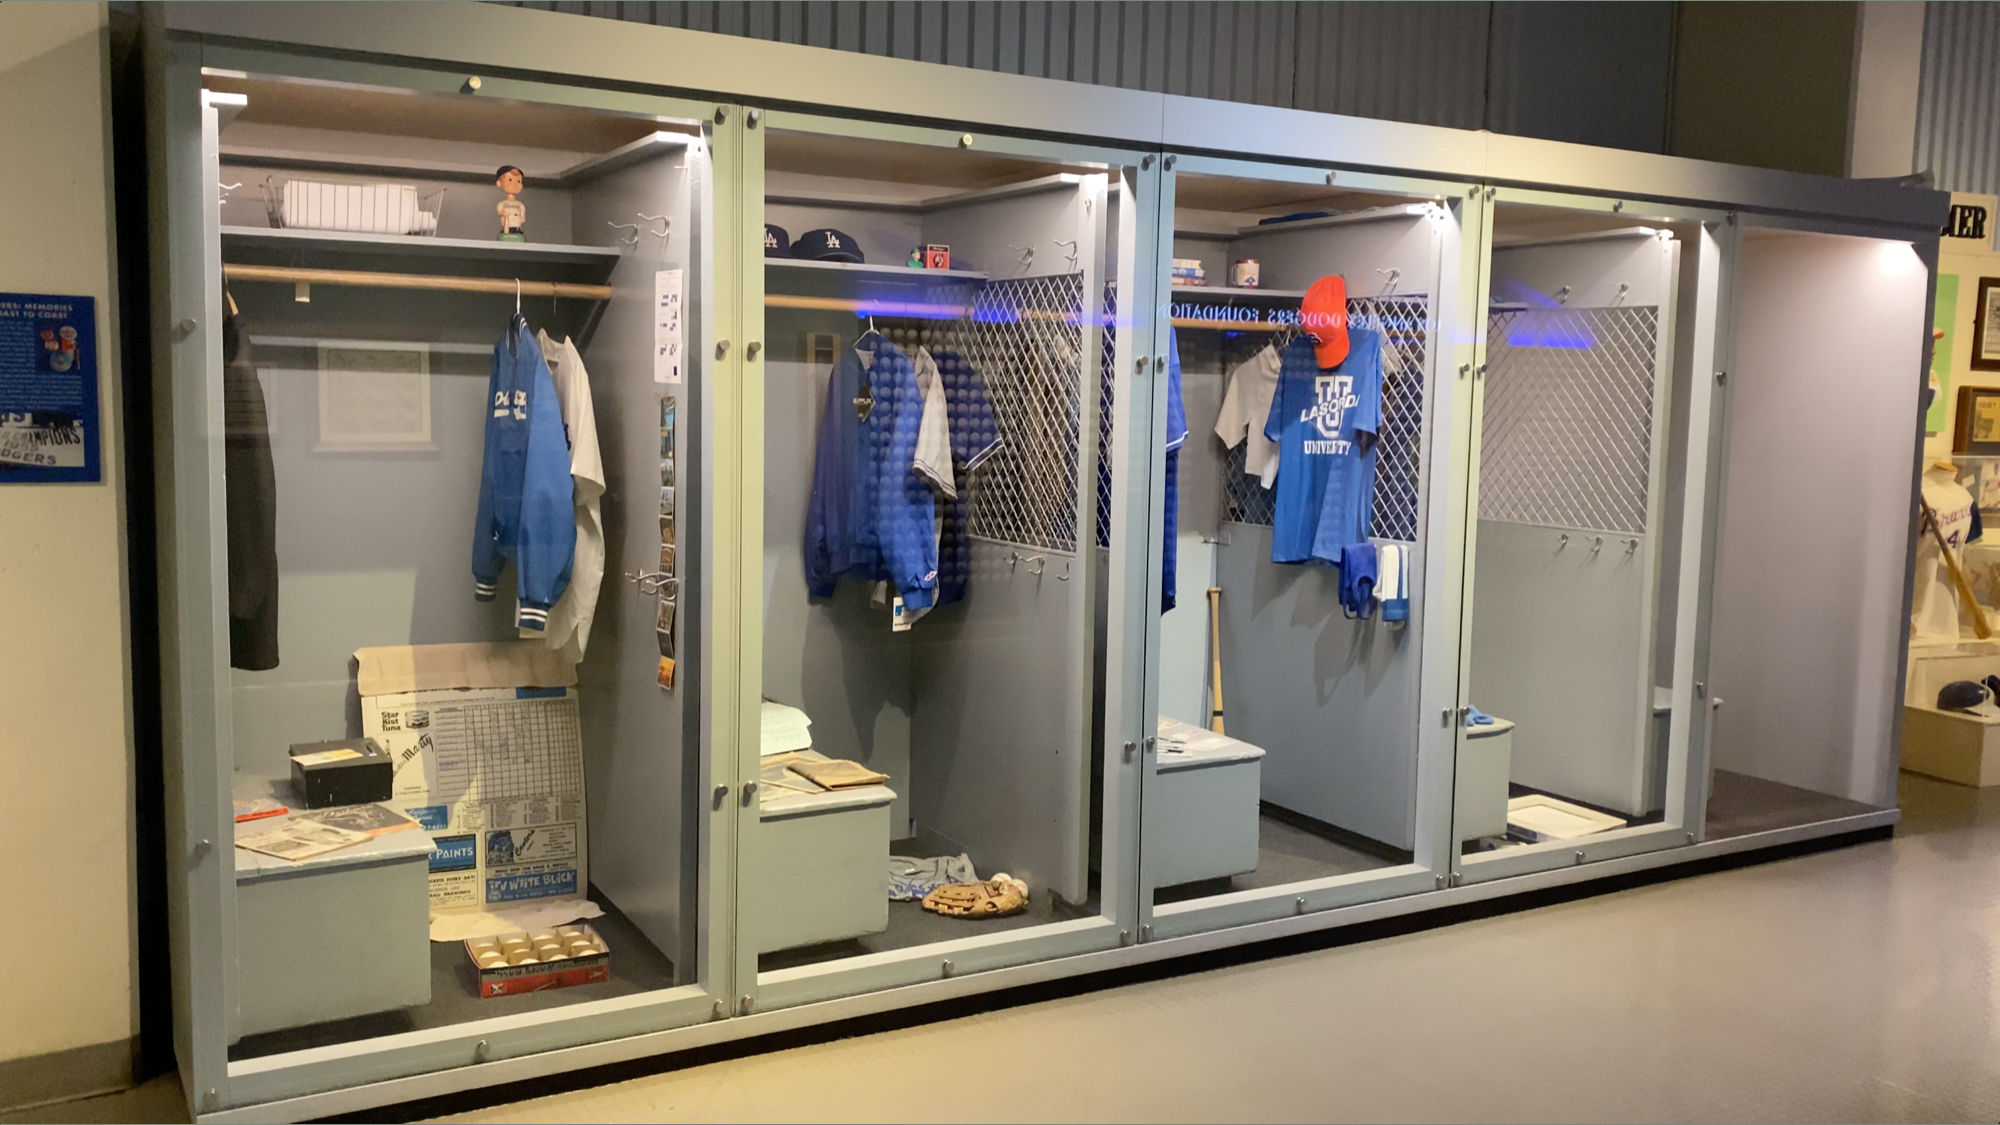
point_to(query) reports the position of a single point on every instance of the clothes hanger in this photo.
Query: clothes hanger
(858, 340)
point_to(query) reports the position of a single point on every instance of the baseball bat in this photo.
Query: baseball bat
(1215, 659)
(1958, 579)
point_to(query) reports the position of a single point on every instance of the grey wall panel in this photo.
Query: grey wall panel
(1560, 646)
(997, 763)
(1425, 62)
(1958, 97)
(1333, 702)
(1421, 62)
(642, 745)
(1810, 523)
(1594, 73)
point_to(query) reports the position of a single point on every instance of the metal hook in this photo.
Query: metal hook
(1036, 564)
(1562, 541)
(1623, 289)
(666, 224)
(1395, 275)
(1071, 252)
(1562, 295)
(633, 227)
(1064, 576)
(517, 296)
(651, 583)
(1596, 543)
(1631, 545)
(226, 189)
(1027, 254)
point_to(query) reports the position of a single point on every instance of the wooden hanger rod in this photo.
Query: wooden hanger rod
(917, 309)
(372, 279)
(1274, 326)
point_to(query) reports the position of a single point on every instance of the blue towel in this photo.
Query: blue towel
(1476, 717)
(1357, 580)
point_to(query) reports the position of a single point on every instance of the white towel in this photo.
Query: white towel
(1389, 571)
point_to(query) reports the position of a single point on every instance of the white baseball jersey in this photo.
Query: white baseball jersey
(570, 618)
(1934, 610)
(1245, 406)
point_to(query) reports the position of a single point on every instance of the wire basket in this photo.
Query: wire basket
(398, 209)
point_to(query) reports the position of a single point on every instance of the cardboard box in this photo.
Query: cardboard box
(488, 755)
(344, 771)
(542, 971)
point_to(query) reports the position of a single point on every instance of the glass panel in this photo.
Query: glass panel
(1583, 431)
(934, 337)
(1300, 764)
(446, 455)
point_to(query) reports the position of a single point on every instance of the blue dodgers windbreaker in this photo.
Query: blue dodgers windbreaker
(872, 516)
(525, 508)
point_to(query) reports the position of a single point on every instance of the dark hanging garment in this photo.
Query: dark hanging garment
(252, 507)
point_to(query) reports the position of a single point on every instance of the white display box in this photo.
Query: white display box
(337, 935)
(817, 868)
(1951, 745)
(1479, 792)
(1201, 808)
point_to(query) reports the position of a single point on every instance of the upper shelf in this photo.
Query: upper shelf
(1234, 291)
(552, 253)
(899, 273)
(352, 163)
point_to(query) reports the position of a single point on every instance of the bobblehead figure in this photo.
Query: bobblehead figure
(513, 213)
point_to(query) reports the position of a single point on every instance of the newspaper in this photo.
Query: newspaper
(489, 760)
(369, 820)
(300, 839)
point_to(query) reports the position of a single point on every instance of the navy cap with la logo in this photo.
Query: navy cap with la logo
(827, 245)
(777, 244)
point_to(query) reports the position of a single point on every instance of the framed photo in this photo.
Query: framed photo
(1977, 426)
(1986, 326)
(374, 397)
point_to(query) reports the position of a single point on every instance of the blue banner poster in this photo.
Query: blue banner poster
(48, 389)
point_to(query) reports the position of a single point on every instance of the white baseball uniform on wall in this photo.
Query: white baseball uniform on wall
(1934, 609)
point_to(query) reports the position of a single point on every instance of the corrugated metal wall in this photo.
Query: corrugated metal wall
(1958, 97)
(1513, 66)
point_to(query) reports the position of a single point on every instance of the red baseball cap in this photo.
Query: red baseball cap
(1323, 315)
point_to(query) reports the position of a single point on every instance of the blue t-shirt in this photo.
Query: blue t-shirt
(871, 515)
(1325, 423)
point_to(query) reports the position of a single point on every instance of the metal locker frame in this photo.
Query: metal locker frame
(188, 255)
(1686, 791)
(976, 951)
(1458, 267)
(617, 64)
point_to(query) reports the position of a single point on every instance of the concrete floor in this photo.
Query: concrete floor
(1851, 985)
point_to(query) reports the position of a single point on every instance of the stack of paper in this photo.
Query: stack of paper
(786, 729)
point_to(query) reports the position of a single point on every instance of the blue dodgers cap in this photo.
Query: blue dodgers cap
(827, 245)
(1960, 695)
(777, 244)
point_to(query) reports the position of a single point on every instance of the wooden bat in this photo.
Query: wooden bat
(1215, 659)
(1958, 578)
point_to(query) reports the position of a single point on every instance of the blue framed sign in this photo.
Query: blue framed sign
(49, 429)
